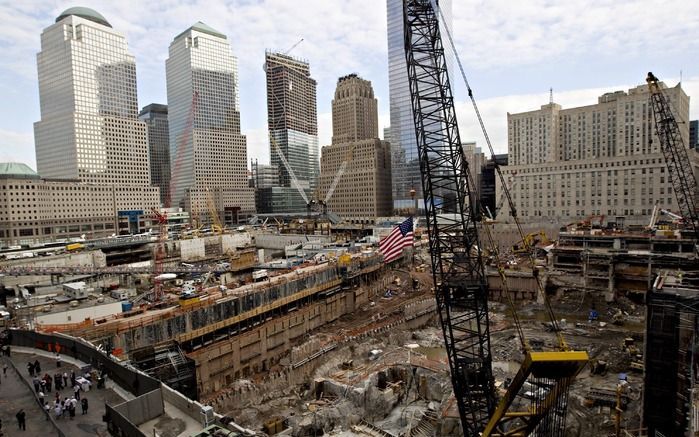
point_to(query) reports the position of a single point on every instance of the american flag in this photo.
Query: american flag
(401, 236)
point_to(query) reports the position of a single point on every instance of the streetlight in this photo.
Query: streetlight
(410, 347)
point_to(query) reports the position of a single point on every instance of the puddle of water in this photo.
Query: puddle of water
(432, 353)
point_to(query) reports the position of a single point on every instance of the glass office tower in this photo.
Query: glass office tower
(405, 165)
(293, 124)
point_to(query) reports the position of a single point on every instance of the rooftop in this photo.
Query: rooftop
(86, 13)
(153, 107)
(203, 28)
(16, 169)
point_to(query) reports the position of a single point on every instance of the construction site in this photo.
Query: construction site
(297, 325)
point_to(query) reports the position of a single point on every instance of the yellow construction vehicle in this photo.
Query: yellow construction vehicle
(529, 241)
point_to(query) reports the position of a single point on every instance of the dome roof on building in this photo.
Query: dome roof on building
(204, 28)
(16, 169)
(86, 13)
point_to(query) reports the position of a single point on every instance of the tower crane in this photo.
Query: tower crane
(503, 196)
(216, 225)
(676, 156)
(459, 277)
(340, 172)
(161, 217)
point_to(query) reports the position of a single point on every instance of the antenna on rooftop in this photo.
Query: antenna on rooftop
(551, 95)
(294, 46)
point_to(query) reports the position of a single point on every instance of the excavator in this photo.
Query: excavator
(531, 240)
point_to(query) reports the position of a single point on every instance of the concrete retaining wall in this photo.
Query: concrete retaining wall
(280, 241)
(192, 250)
(230, 242)
(143, 408)
(93, 258)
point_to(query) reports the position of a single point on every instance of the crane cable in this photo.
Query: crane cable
(547, 304)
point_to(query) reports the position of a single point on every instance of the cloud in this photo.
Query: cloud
(258, 145)
(501, 33)
(509, 50)
(17, 147)
(494, 110)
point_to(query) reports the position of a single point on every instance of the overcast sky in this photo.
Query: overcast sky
(513, 52)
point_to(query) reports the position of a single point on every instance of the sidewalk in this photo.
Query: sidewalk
(90, 424)
(15, 395)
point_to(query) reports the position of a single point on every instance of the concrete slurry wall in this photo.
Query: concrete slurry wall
(92, 258)
(192, 250)
(415, 315)
(221, 364)
(521, 285)
(224, 362)
(230, 242)
(233, 309)
(196, 248)
(280, 241)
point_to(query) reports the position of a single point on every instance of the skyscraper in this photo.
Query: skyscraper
(293, 125)
(155, 117)
(363, 191)
(209, 158)
(354, 110)
(89, 128)
(405, 168)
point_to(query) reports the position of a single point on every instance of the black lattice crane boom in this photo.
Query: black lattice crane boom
(458, 272)
(676, 155)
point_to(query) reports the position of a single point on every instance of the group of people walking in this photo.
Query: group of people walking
(62, 406)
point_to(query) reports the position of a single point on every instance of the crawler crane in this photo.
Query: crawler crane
(461, 286)
(676, 156)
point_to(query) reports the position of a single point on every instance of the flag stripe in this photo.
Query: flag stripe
(399, 238)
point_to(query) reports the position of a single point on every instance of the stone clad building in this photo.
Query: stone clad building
(601, 159)
(89, 128)
(212, 165)
(35, 210)
(363, 191)
(91, 148)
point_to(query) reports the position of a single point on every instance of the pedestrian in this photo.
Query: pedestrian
(72, 378)
(4, 370)
(65, 379)
(58, 360)
(58, 410)
(21, 416)
(47, 409)
(30, 368)
(42, 384)
(58, 398)
(71, 408)
(41, 397)
(65, 406)
(49, 382)
(37, 367)
(57, 380)
(83, 403)
(37, 385)
(76, 390)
